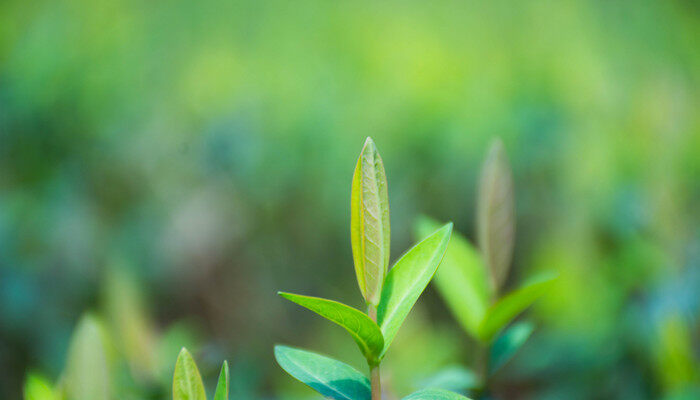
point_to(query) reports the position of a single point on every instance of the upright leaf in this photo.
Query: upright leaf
(365, 331)
(496, 214)
(221, 392)
(508, 343)
(509, 306)
(187, 382)
(369, 222)
(86, 376)
(407, 280)
(36, 387)
(331, 378)
(461, 279)
(435, 394)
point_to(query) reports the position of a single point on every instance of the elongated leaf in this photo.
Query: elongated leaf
(496, 213)
(454, 378)
(435, 394)
(36, 387)
(365, 331)
(461, 279)
(407, 280)
(515, 302)
(508, 343)
(187, 382)
(332, 378)
(369, 222)
(87, 371)
(221, 392)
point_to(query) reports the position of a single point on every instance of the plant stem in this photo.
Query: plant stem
(374, 376)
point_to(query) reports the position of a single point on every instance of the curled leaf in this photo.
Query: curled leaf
(369, 222)
(496, 214)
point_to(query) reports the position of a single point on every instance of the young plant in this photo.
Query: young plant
(389, 294)
(187, 382)
(471, 281)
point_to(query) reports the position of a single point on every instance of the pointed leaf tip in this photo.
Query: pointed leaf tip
(369, 222)
(187, 382)
(221, 392)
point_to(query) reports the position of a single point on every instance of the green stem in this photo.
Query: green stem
(374, 376)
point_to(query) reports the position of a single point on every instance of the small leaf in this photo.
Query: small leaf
(187, 382)
(435, 394)
(455, 378)
(508, 343)
(407, 280)
(369, 222)
(365, 331)
(37, 387)
(221, 392)
(332, 378)
(496, 213)
(461, 279)
(515, 302)
(87, 371)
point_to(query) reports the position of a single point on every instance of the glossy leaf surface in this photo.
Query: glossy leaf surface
(331, 378)
(435, 394)
(461, 279)
(369, 222)
(515, 302)
(87, 371)
(508, 343)
(407, 280)
(366, 333)
(496, 214)
(221, 392)
(187, 382)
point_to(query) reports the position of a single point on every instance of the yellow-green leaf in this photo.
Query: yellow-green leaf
(37, 387)
(366, 333)
(461, 279)
(407, 280)
(221, 392)
(496, 214)
(86, 376)
(512, 304)
(187, 382)
(331, 378)
(369, 222)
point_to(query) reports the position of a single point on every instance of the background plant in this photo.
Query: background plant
(471, 281)
(389, 294)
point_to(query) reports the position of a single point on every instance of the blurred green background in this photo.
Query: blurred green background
(169, 166)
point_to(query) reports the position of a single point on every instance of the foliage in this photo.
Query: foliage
(389, 297)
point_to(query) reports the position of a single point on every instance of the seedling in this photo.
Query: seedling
(187, 382)
(389, 294)
(470, 280)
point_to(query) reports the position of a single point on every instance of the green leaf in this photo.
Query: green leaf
(455, 378)
(187, 383)
(515, 302)
(86, 376)
(37, 387)
(332, 378)
(407, 280)
(365, 331)
(496, 213)
(369, 222)
(461, 279)
(508, 343)
(221, 392)
(435, 394)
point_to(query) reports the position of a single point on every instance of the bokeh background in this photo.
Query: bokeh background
(169, 165)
